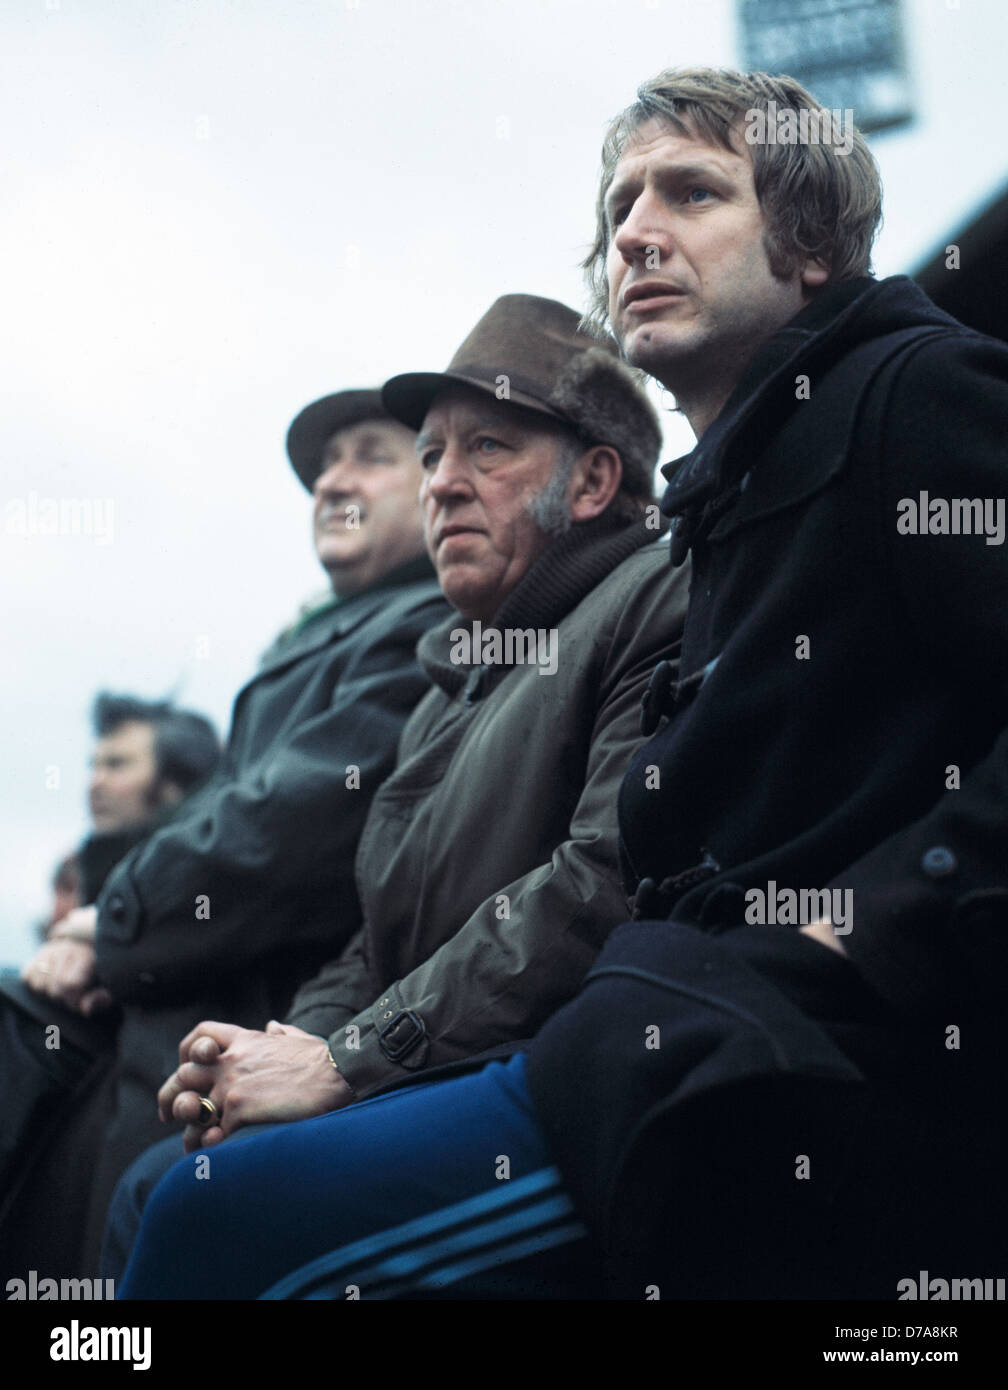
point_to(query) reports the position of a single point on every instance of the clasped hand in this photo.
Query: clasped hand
(251, 1077)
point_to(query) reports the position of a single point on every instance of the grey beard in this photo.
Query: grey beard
(550, 509)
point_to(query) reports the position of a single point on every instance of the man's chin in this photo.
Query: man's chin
(334, 554)
(465, 594)
(669, 356)
(651, 344)
(106, 825)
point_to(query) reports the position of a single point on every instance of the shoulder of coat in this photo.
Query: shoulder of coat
(642, 590)
(649, 564)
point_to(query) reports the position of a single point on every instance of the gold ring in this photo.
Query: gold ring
(210, 1114)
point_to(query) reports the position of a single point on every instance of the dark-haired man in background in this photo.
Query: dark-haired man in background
(148, 755)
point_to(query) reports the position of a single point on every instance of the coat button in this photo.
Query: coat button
(658, 699)
(117, 907)
(645, 900)
(939, 862)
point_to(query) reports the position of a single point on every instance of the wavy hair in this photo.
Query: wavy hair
(816, 201)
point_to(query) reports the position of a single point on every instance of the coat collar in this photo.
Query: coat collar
(332, 621)
(767, 387)
(555, 584)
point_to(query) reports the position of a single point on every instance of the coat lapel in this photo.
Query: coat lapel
(341, 619)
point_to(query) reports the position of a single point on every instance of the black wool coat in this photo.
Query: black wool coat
(838, 723)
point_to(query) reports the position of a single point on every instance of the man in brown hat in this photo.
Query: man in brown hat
(488, 867)
(247, 890)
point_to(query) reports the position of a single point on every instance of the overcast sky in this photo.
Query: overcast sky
(214, 211)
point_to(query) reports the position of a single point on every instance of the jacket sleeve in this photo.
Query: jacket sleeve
(931, 901)
(264, 860)
(342, 987)
(500, 976)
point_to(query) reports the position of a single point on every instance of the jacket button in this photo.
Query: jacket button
(658, 699)
(644, 899)
(117, 907)
(939, 862)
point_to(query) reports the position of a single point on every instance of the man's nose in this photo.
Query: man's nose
(335, 477)
(451, 477)
(642, 229)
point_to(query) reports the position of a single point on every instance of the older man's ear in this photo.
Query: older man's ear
(595, 481)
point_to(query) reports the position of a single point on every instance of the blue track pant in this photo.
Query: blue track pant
(445, 1187)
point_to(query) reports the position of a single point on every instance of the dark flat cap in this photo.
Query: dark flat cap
(317, 423)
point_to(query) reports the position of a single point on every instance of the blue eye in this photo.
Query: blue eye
(429, 459)
(486, 439)
(704, 193)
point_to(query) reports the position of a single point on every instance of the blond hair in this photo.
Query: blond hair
(816, 202)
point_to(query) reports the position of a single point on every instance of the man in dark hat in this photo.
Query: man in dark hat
(359, 464)
(488, 868)
(226, 909)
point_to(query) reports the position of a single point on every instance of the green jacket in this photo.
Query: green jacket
(488, 867)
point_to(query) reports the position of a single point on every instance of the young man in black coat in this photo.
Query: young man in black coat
(244, 893)
(777, 1081)
(790, 1051)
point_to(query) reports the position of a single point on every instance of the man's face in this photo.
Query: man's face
(484, 462)
(366, 516)
(124, 791)
(691, 293)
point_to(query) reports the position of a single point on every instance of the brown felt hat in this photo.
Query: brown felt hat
(530, 351)
(311, 431)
